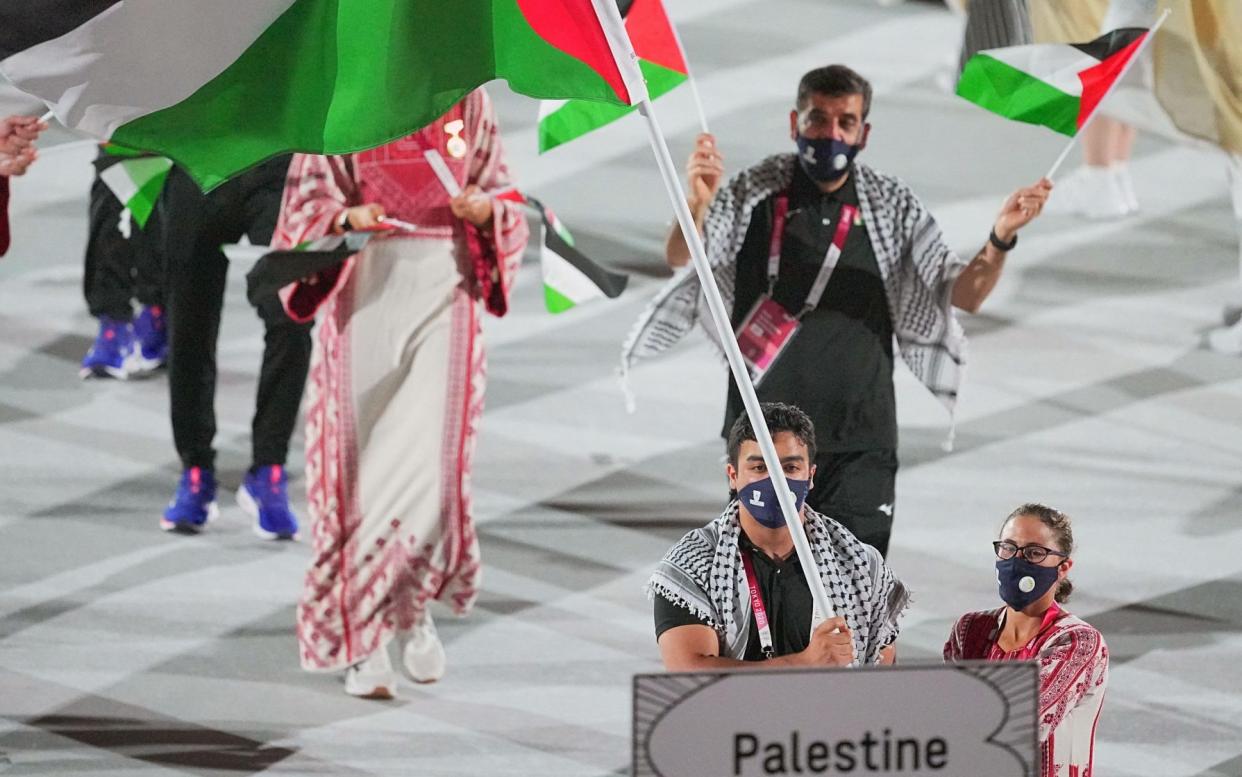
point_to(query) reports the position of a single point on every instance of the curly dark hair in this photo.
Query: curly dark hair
(780, 418)
(1062, 529)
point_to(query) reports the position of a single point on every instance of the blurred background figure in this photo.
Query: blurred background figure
(124, 265)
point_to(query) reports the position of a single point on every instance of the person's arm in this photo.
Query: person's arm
(978, 278)
(704, 172)
(497, 231)
(1072, 665)
(696, 648)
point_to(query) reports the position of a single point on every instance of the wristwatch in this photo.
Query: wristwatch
(342, 221)
(1002, 246)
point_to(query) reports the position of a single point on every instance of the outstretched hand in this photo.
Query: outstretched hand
(17, 137)
(1021, 208)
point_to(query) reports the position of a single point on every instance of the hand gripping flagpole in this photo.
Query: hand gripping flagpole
(1151, 35)
(724, 331)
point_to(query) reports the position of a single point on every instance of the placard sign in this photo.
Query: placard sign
(973, 719)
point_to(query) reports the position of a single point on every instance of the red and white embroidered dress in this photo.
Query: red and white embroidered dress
(1073, 675)
(396, 382)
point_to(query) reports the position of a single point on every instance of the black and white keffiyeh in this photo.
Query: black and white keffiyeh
(917, 266)
(703, 573)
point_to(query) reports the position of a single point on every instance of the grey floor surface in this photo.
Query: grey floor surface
(125, 651)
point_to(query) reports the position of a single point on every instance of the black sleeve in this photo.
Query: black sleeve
(669, 615)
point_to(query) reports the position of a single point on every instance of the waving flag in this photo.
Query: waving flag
(137, 182)
(220, 86)
(660, 57)
(1054, 85)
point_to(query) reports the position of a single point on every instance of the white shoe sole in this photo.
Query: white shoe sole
(139, 366)
(251, 508)
(213, 512)
(376, 691)
(103, 371)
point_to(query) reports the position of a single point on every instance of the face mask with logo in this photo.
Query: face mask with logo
(825, 159)
(759, 498)
(1022, 583)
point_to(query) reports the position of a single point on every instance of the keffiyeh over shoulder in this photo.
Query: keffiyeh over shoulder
(917, 266)
(704, 574)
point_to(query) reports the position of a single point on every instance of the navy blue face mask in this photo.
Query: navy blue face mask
(825, 159)
(1022, 583)
(759, 498)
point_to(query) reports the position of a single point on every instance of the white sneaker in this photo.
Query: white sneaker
(1125, 184)
(372, 678)
(1091, 192)
(1226, 340)
(423, 656)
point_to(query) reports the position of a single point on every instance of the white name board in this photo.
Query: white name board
(948, 720)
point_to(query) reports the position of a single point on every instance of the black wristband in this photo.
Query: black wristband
(1000, 246)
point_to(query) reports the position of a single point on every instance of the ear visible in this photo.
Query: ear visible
(731, 473)
(793, 125)
(866, 133)
(1064, 568)
(811, 487)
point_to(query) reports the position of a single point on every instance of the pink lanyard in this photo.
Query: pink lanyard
(756, 604)
(845, 221)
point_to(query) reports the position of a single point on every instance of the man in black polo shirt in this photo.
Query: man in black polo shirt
(857, 262)
(704, 617)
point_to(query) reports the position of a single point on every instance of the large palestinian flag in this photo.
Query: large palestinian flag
(219, 85)
(1056, 85)
(662, 61)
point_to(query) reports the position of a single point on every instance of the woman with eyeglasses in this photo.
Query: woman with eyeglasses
(1033, 558)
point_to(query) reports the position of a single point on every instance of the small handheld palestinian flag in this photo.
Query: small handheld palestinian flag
(1054, 85)
(277, 269)
(569, 277)
(660, 57)
(223, 86)
(136, 180)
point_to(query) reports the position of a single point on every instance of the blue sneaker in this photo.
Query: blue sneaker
(150, 351)
(264, 496)
(113, 345)
(195, 502)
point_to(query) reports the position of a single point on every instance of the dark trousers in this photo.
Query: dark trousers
(120, 268)
(195, 227)
(857, 489)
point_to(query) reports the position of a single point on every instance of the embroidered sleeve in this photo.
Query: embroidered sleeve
(954, 647)
(1071, 665)
(317, 190)
(495, 253)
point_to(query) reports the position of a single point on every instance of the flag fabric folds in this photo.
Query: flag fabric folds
(570, 278)
(1054, 85)
(137, 183)
(221, 86)
(660, 57)
(277, 269)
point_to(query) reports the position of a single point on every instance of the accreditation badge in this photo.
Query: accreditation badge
(763, 335)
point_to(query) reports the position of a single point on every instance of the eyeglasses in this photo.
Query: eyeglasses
(1035, 554)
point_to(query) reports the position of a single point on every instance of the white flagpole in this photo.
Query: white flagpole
(1151, 35)
(694, 84)
(668, 170)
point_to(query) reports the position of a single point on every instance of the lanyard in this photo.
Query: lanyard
(756, 604)
(845, 220)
